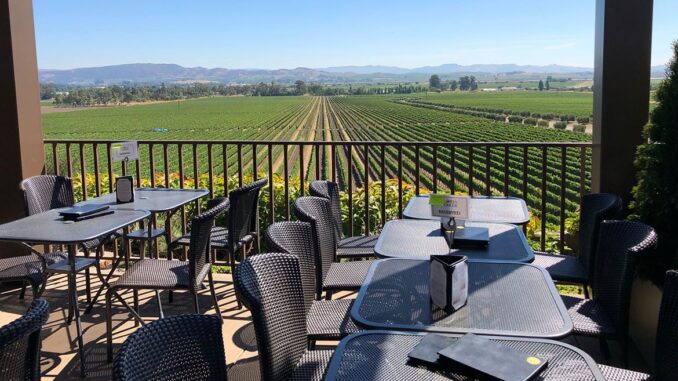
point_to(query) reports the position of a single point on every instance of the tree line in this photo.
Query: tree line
(465, 83)
(69, 95)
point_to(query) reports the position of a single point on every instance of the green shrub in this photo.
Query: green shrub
(525, 113)
(543, 123)
(571, 118)
(560, 125)
(581, 128)
(508, 112)
(563, 118)
(500, 118)
(654, 195)
(548, 116)
(536, 115)
(583, 120)
(531, 121)
(515, 119)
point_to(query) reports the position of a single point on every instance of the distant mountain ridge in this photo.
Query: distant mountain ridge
(172, 73)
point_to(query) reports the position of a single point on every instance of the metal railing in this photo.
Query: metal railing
(377, 176)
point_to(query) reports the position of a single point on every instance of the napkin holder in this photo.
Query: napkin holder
(124, 189)
(448, 283)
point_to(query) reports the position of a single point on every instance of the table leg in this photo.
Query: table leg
(104, 281)
(73, 292)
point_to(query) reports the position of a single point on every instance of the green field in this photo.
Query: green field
(556, 102)
(532, 84)
(342, 119)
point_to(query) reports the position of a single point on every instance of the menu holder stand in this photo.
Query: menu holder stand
(448, 281)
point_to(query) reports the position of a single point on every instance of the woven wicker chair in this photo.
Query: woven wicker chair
(20, 344)
(177, 348)
(242, 230)
(269, 286)
(666, 346)
(595, 208)
(355, 247)
(606, 315)
(325, 319)
(160, 274)
(42, 193)
(330, 275)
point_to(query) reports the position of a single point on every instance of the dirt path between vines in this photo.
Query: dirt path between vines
(300, 128)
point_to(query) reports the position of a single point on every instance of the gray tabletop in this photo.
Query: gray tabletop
(508, 299)
(421, 239)
(382, 355)
(510, 210)
(49, 227)
(152, 199)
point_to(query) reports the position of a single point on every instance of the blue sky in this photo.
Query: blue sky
(277, 34)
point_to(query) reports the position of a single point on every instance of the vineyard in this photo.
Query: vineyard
(304, 138)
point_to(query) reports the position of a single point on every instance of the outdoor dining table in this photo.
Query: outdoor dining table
(154, 200)
(510, 210)
(421, 239)
(50, 228)
(382, 355)
(507, 299)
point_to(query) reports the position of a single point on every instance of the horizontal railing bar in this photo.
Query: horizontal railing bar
(338, 143)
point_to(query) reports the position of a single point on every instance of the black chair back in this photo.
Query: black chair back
(316, 211)
(243, 211)
(595, 208)
(666, 353)
(20, 344)
(199, 250)
(270, 286)
(620, 243)
(184, 347)
(296, 238)
(330, 191)
(45, 192)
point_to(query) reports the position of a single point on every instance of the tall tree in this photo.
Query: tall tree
(541, 85)
(548, 85)
(453, 85)
(464, 83)
(473, 85)
(654, 195)
(300, 87)
(434, 82)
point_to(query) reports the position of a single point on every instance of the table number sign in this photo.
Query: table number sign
(124, 151)
(449, 206)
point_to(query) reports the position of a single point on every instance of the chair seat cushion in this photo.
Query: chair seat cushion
(618, 374)
(564, 268)
(154, 273)
(588, 317)
(357, 247)
(312, 365)
(330, 320)
(28, 266)
(346, 275)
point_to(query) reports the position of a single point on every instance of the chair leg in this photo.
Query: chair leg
(196, 304)
(88, 286)
(586, 291)
(210, 279)
(231, 254)
(136, 304)
(328, 295)
(109, 327)
(604, 350)
(22, 293)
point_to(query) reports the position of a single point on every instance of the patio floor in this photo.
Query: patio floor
(59, 348)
